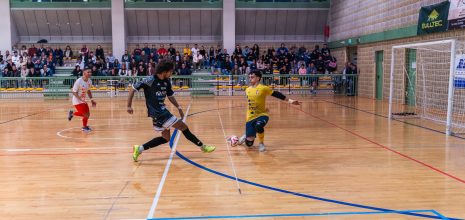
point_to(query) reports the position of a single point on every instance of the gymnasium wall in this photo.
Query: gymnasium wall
(352, 18)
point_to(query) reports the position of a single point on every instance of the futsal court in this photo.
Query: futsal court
(330, 158)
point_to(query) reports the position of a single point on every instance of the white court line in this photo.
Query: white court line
(167, 168)
(60, 148)
(97, 138)
(229, 152)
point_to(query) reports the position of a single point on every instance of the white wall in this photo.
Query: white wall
(5, 26)
(119, 31)
(229, 25)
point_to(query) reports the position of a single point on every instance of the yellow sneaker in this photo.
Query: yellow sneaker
(135, 153)
(207, 148)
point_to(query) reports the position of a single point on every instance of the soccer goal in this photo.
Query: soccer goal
(425, 88)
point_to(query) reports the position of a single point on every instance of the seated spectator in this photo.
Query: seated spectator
(68, 54)
(15, 58)
(24, 71)
(77, 71)
(45, 71)
(244, 69)
(142, 71)
(260, 64)
(184, 70)
(96, 71)
(302, 69)
(124, 71)
(133, 71)
(236, 70)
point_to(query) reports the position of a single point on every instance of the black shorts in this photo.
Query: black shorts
(164, 121)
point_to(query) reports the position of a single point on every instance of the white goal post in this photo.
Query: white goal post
(422, 84)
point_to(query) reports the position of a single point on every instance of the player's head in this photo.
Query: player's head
(87, 72)
(164, 69)
(255, 76)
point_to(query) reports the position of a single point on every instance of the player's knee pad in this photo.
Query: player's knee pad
(260, 127)
(249, 143)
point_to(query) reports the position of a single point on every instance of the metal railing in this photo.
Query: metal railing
(195, 85)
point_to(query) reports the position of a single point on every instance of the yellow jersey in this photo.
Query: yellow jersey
(256, 101)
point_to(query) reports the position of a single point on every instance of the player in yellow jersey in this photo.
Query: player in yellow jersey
(257, 115)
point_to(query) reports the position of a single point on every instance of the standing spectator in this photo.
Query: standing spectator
(146, 49)
(31, 51)
(172, 52)
(203, 52)
(58, 56)
(187, 50)
(84, 51)
(99, 53)
(162, 52)
(325, 50)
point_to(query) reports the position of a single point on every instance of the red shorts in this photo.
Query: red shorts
(82, 108)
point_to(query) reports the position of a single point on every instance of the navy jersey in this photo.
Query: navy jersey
(155, 91)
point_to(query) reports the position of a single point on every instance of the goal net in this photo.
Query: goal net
(426, 85)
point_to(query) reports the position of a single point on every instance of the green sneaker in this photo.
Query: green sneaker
(207, 148)
(135, 153)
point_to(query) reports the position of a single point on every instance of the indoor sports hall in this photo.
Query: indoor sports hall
(296, 109)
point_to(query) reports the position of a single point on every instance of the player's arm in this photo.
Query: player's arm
(175, 103)
(130, 97)
(89, 93)
(281, 96)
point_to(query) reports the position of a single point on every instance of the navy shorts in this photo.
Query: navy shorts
(164, 121)
(250, 125)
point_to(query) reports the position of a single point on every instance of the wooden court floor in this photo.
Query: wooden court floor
(331, 158)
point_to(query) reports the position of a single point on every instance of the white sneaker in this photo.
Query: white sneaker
(261, 147)
(241, 140)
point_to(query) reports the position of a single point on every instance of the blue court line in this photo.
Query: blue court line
(296, 193)
(295, 215)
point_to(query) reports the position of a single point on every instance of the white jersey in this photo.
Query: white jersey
(81, 87)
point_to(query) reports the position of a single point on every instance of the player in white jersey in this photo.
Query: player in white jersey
(80, 89)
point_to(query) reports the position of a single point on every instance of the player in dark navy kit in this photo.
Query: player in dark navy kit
(156, 89)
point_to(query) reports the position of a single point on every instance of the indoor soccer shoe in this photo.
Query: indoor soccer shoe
(86, 129)
(261, 147)
(70, 115)
(207, 148)
(135, 153)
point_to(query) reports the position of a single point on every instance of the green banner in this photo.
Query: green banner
(433, 18)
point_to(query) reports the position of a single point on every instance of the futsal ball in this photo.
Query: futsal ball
(233, 140)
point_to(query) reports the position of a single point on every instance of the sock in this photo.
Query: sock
(192, 137)
(261, 137)
(84, 121)
(154, 142)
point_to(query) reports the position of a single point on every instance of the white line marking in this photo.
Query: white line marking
(229, 153)
(167, 168)
(18, 150)
(60, 148)
(59, 133)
